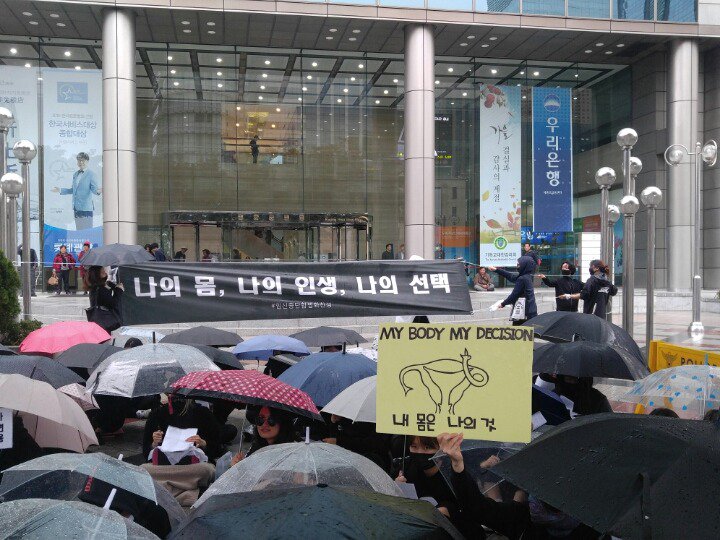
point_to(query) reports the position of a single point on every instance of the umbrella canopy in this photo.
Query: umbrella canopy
(263, 347)
(291, 464)
(146, 370)
(116, 255)
(60, 336)
(6, 350)
(328, 335)
(587, 359)
(324, 375)
(632, 476)
(46, 518)
(80, 395)
(51, 418)
(316, 512)
(249, 387)
(224, 359)
(86, 355)
(566, 326)
(689, 390)
(39, 368)
(356, 402)
(204, 335)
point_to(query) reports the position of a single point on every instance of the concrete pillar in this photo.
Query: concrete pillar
(419, 141)
(119, 131)
(711, 175)
(683, 127)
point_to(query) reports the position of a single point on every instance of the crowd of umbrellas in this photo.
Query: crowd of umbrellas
(626, 475)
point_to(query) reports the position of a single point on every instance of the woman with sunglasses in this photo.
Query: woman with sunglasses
(272, 426)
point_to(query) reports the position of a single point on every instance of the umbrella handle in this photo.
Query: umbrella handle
(110, 498)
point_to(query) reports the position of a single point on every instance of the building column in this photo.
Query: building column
(711, 175)
(683, 128)
(119, 131)
(419, 141)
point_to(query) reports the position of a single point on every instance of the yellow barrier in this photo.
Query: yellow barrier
(664, 355)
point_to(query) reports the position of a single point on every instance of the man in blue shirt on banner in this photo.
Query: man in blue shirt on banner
(84, 185)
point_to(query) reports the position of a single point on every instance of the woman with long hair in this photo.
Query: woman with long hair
(597, 290)
(104, 293)
(272, 426)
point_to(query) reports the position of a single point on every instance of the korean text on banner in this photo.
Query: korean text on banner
(664, 355)
(552, 159)
(72, 129)
(500, 170)
(455, 378)
(184, 292)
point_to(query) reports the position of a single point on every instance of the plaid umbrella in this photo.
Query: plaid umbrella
(249, 387)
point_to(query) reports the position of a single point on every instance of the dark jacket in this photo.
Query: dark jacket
(197, 416)
(361, 438)
(523, 280)
(585, 398)
(24, 447)
(159, 255)
(565, 285)
(596, 293)
(533, 255)
(33, 257)
(108, 296)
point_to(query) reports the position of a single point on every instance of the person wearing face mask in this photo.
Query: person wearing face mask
(597, 290)
(272, 426)
(523, 280)
(564, 285)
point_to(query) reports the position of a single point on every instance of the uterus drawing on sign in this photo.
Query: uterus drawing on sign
(445, 379)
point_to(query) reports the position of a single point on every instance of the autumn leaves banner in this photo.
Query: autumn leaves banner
(500, 170)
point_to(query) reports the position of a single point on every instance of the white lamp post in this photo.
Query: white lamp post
(651, 197)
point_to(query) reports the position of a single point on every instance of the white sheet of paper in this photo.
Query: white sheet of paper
(175, 439)
(538, 420)
(6, 429)
(408, 490)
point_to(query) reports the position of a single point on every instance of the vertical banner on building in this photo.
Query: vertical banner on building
(72, 137)
(19, 94)
(552, 159)
(500, 169)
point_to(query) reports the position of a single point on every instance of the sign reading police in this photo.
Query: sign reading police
(455, 378)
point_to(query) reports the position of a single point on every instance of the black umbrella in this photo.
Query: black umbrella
(566, 326)
(86, 355)
(204, 335)
(632, 476)
(323, 336)
(587, 359)
(6, 351)
(315, 512)
(279, 364)
(223, 359)
(39, 368)
(115, 255)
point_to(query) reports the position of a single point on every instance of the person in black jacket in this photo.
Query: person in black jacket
(597, 290)
(585, 398)
(523, 280)
(272, 426)
(104, 293)
(565, 285)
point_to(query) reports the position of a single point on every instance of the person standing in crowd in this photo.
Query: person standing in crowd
(83, 270)
(180, 255)
(530, 252)
(104, 293)
(482, 280)
(523, 280)
(62, 264)
(33, 268)
(206, 256)
(388, 253)
(147, 248)
(567, 284)
(597, 290)
(254, 148)
(158, 253)
(272, 426)
(586, 399)
(84, 186)
(401, 253)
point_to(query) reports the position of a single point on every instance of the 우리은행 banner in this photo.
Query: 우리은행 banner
(552, 159)
(450, 378)
(500, 175)
(184, 292)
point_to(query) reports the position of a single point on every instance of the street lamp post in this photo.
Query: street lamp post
(6, 121)
(626, 139)
(707, 154)
(12, 186)
(613, 214)
(651, 197)
(605, 178)
(25, 152)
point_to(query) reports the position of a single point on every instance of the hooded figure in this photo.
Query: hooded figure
(585, 398)
(597, 290)
(567, 284)
(523, 280)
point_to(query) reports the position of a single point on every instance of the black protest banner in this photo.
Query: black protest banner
(188, 292)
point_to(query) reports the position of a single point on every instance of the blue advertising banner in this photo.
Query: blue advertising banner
(552, 159)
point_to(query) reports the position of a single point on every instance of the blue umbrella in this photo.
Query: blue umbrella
(324, 375)
(263, 347)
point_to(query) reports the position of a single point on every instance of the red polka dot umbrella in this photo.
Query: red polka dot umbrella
(250, 387)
